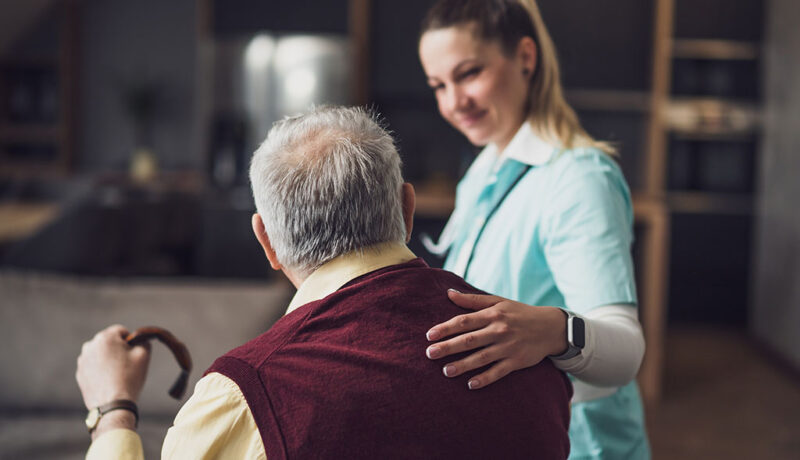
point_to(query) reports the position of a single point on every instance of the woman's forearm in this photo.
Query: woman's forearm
(614, 347)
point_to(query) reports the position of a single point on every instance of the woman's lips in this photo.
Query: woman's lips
(470, 119)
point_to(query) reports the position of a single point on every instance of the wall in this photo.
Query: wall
(124, 42)
(775, 310)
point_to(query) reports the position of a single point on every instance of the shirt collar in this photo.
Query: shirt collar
(525, 147)
(338, 271)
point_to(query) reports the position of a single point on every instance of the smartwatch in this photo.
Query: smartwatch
(576, 337)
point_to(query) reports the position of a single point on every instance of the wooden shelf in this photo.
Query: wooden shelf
(712, 117)
(714, 49)
(710, 203)
(644, 207)
(715, 135)
(609, 100)
(29, 133)
(436, 202)
(31, 169)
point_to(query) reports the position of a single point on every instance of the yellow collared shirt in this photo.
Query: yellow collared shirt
(216, 421)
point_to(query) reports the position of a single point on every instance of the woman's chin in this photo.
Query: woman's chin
(476, 137)
(480, 141)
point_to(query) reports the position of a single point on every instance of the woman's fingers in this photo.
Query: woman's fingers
(499, 370)
(506, 336)
(457, 325)
(502, 366)
(474, 361)
(473, 301)
(463, 342)
(468, 322)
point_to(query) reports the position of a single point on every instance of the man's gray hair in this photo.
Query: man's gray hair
(326, 183)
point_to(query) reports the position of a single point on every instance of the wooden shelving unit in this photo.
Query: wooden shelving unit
(696, 118)
(40, 141)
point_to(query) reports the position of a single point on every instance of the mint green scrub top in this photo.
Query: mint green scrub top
(561, 237)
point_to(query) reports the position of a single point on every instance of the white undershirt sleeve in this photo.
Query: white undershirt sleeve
(614, 347)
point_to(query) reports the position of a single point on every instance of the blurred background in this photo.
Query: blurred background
(125, 135)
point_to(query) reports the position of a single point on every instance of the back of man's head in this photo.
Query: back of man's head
(326, 183)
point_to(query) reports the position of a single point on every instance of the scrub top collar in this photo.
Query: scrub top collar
(525, 147)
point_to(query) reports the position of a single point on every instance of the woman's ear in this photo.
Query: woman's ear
(263, 240)
(527, 56)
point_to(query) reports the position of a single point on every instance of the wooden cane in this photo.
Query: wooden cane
(177, 348)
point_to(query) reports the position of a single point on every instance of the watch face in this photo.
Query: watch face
(578, 332)
(92, 418)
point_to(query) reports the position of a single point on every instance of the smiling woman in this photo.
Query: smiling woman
(477, 87)
(543, 219)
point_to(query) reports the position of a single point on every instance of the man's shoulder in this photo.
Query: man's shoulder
(254, 352)
(401, 282)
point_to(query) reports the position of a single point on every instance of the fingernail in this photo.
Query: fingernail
(449, 370)
(432, 352)
(433, 334)
(454, 290)
(473, 384)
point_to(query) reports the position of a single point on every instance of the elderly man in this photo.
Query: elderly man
(343, 374)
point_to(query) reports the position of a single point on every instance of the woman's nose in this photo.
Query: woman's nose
(457, 99)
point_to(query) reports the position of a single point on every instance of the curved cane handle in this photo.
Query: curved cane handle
(177, 348)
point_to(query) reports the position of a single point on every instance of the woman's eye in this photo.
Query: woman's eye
(470, 72)
(437, 87)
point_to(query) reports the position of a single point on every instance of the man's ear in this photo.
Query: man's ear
(263, 239)
(409, 205)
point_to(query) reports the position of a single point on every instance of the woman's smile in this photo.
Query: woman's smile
(479, 90)
(470, 119)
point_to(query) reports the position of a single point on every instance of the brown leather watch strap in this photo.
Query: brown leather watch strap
(124, 404)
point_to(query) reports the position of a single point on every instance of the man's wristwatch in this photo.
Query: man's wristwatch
(94, 416)
(576, 337)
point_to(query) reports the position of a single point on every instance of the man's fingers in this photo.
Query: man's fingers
(140, 355)
(472, 301)
(143, 347)
(493, 374)
(457, 325)
(117, 330)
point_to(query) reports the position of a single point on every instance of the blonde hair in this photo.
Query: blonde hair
(508, 21)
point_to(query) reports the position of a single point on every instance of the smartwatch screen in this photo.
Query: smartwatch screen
(578, 332)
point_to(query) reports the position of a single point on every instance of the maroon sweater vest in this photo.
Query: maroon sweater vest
(347, 377)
